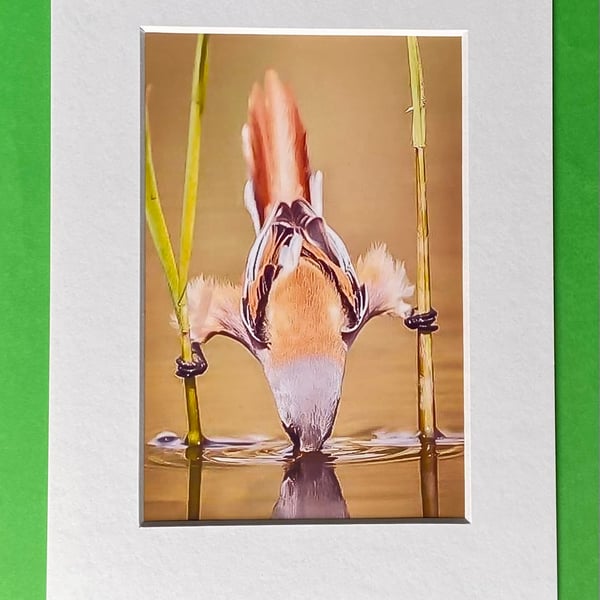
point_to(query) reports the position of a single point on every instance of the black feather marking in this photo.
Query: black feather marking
(265, 284)
(318, 234)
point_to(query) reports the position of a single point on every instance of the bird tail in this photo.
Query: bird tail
(274, 146)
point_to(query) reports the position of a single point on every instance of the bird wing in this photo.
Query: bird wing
(292, 232)
(387, 285)
(214, 309)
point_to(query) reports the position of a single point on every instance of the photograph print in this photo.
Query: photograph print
(303, 347)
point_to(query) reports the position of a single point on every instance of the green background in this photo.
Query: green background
(24, 294)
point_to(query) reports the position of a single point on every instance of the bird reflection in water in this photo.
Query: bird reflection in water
(310, 490)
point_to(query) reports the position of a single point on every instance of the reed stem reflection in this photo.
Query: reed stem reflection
(195, 459)
(428, 466)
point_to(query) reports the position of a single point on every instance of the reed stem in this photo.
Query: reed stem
(192, 163)
(426, 391)
(188, 218)
(156, 220)
(194, 436)
(177, 277)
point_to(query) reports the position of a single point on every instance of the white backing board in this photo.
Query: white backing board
(96, 548)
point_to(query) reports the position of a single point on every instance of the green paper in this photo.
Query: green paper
(576, 294)
(24, 295)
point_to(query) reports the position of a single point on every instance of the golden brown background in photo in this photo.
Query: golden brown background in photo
(353, 93)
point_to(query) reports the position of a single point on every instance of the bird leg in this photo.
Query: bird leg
(423, 322)
(197, 366)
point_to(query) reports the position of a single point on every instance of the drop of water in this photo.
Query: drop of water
(166, 439)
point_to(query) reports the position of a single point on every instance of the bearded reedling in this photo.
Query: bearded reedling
(302, 303)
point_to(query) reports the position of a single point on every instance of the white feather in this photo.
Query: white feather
(315, 184)
(289, 257)
(250, 204)
(247, 149)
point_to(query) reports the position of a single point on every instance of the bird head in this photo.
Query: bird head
(307, 392)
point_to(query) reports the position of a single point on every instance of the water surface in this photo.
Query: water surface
(388, 477)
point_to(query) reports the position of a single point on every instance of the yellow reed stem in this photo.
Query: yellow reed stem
(426, 392)
(194, 436)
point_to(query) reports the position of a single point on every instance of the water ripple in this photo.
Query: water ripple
(168, 450)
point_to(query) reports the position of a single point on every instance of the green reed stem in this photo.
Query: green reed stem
(192, 162)
(177, 278)
(188, 217)
(426, 392)
(156, 221)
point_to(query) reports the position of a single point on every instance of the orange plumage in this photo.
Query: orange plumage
(305, 316)
(275, 149)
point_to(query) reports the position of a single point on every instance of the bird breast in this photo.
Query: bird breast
(305, 316)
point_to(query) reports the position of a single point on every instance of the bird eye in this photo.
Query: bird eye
(166, 439)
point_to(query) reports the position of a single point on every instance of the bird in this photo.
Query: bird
(301, 302)
(310, 490)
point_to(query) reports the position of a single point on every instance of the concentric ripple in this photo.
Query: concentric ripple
(168, 450)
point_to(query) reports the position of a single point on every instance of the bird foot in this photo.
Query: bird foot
(422, 322)
(197, 366)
